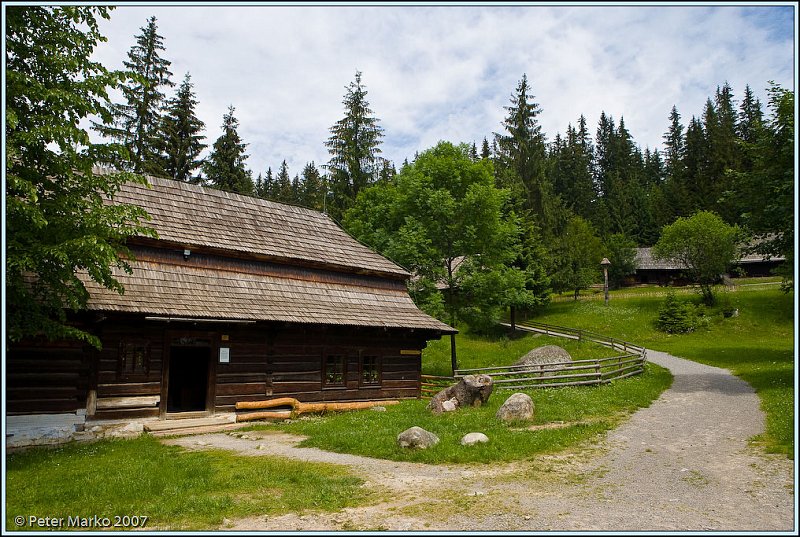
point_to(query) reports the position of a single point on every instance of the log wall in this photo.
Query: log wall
(127, 378)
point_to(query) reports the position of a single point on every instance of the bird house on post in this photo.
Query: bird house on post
(605, 263)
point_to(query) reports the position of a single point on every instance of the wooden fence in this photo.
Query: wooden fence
(573, 373)
(430, 385)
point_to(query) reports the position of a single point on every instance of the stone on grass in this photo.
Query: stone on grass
(470, 390)
(518, 407)
(417, 438)
(474, 438)
(547, 356)
(449, 405)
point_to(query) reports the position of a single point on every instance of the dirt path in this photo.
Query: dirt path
(681, 464)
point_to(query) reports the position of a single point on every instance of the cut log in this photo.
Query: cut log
(300, 408)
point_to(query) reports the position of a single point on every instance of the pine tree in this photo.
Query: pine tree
(674, 146)
(259, 187)
(224, 167)
(570, 169)
(136, 123)
(485, 152)
(283, 185)
(314, 188)
(181, 131)
(751, 117)
(522, 152)
(296, 190)
(268, 187)
(695, 166)
(354, 146)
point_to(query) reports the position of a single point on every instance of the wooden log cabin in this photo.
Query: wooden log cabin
(238, 299)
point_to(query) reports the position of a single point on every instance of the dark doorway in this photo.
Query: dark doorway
(188, 378)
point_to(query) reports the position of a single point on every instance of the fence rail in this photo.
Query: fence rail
(572, 373)
(430, 385)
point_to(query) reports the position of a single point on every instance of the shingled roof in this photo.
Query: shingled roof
(301, 266)
(182, 291)
(194, 216)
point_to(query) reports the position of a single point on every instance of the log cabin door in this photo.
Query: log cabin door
(188, 376)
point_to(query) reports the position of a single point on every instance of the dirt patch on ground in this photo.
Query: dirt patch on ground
(683, 464)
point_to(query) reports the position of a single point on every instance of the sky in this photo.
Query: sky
(446, 72)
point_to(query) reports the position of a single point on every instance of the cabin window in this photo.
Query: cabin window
(334, 371)
(133, 358)
(370, 371)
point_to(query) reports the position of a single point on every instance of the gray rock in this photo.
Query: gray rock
(474, 438)
(449, 405)
(417, 438)
(378, 409)
(518, 407)
(545, 357)
(471, 390)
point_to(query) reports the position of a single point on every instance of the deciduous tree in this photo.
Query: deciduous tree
(57, 212)
(704, 245)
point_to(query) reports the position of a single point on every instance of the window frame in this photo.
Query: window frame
(378, 366)
(328, 358)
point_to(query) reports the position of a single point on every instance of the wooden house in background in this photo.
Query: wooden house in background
(239, 299)
(650, 269)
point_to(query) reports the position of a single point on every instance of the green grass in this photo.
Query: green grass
(757, 346)
(585, 412)
(473, 351)
(174, 488)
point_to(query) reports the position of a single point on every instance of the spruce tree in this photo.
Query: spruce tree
(750, 117)
(268, 186)
(314, 188)
(283, 185)
(181, 131)
(136, 123)
(674, 146)
(522, 155)
(695, 166)
(485, 152)
(354, 146)
(224, 167)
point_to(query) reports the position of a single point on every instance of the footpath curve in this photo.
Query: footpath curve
(682, 464)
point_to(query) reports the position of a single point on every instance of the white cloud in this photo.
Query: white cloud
(446, 72)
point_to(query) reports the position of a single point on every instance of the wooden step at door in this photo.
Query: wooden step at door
(189, 423)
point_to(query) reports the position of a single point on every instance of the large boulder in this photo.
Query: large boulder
(417, 438)
(545, 357)
(471, 390)
(518, 407)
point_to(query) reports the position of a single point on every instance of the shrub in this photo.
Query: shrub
(676, 316)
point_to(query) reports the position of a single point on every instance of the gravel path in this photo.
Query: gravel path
(683, 464)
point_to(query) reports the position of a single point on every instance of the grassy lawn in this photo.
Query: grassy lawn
(499, 349)
(175, 489)
(757, 346)
(585, 412)
(580, 413)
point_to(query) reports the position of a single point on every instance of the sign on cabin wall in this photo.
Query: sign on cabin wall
(224, 355)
